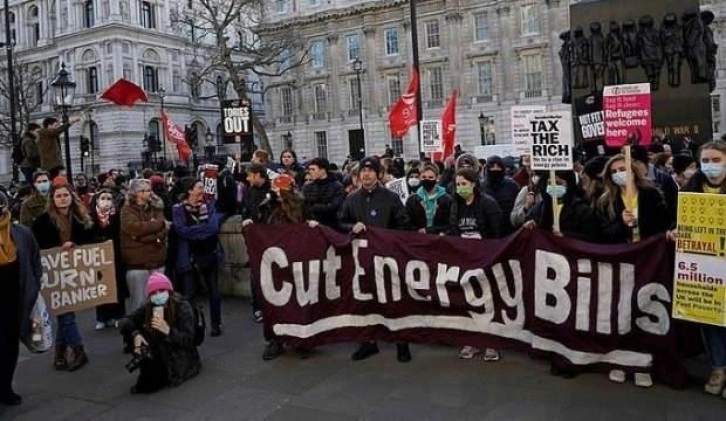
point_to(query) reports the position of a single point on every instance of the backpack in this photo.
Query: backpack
(200, 324)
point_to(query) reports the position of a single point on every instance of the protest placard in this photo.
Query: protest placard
(627, 115)
(399, 187)
(700, 266)
(209, 174)
(487, 151)
(78, 279)
(520, 126)
(550, 140)
(431, 136)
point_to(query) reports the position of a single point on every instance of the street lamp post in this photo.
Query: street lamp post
(63, 91)
(162, 94)
(358, 67)
(11, 85)
(221, 94)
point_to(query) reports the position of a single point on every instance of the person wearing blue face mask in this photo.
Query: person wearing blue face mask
(36, 204)
(576, 216)
(163, 332)
(711, 178)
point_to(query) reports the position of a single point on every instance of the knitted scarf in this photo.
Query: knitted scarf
(430, 203)
(8, 251)
(198, 213)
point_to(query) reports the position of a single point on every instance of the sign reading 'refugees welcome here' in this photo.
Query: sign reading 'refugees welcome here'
(589, 303)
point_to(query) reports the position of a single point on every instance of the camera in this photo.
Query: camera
(142, 354)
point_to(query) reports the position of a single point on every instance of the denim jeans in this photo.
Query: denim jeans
(136, 281)
(209, 272)
(67, 333)
(715, 338)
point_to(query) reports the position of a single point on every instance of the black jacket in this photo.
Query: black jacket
(653, 218)
(111, 232)
(254, 196)
(417, 213)
(226, 193)
(488, 216)
(177, 350)
(323, 199)
(695, 184)
(505, 193)
(380, 208)
(577, 218)
(669, 188)
(48, 235)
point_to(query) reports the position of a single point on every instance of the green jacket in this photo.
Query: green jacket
(31, 158)
(32, 208)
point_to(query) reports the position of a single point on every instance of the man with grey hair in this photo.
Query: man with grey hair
(143, 239)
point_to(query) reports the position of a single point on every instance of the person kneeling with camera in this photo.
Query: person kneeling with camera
(163, 334)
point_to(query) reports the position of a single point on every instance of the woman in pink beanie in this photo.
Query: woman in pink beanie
(164, 336)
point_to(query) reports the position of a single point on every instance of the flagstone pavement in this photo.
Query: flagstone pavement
(236, 384)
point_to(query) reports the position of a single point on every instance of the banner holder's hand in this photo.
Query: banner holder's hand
(139, 342)
(313, 224)
(246, 223)
(672, 235)
(358, 228)
(68, 245)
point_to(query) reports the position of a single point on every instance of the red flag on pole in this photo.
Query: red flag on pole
(448, 125)
(404, 114)
(124, 93)
(176, 136)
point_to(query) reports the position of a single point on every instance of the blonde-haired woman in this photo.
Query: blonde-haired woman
(66, 224)
(630, 219)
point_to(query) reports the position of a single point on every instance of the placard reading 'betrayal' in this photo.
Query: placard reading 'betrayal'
(78, 279)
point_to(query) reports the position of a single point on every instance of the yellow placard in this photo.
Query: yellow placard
(700, 265)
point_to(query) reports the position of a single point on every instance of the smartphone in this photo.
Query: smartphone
(159, 312)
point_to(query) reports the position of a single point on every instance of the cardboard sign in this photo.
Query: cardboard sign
(78, 279)
(521, 115)
(431, 136)
(700, 266)
(550, 140)
(627, 115)
(209, 173)
(399, 187)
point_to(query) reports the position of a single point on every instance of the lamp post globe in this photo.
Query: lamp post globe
(64, 90)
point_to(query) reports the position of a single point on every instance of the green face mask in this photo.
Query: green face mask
(464, 191)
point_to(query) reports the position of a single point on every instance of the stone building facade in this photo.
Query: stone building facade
(101, 41)
(498, 53)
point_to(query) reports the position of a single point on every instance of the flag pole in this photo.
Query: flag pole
(419, 105)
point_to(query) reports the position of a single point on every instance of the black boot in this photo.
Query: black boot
(216, 330)
(365, 350)
(404, 353)
(273, 349)
(78, 359)
(60, 363)
(10, 399)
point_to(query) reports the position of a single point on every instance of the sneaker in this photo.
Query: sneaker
(468, 352)
(365, 350)
(403, 354)
(643, 380)
(716, 382)
(617, 376)
(257, 316)
(273, 349)
(100, 326)
(491, 355)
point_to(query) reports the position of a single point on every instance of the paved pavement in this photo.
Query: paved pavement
(235, 384)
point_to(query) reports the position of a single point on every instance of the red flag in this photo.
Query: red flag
(176, 136)
(448, 125)
(404, 114)
(124, 93)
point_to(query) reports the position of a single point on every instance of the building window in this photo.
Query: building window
(92, 83)
(194, 85)
(176, 82)
(436, 84)
(529, 19)
(127, 72)
(313, 3)
(487, 130)
(321, 99)
(282, 6)
(354, 89)
(317, 54)
(321, 143)
(532, 76)
(433, 38)
(353, 47)
(484, 79)
(148, 19)
(391, 38)
(716, 104)
(397, 146)
(394, 88)
(151, 79)
(39, 91)
(89, 14)
(286, 101)
(481, 26)
(154, 131)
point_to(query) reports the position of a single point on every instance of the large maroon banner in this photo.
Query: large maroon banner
(588, 303)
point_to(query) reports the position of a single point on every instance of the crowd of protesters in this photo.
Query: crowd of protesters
(166, 233)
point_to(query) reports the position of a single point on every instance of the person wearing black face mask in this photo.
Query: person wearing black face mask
(429, 206)
(501, 188)
(20, 272)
